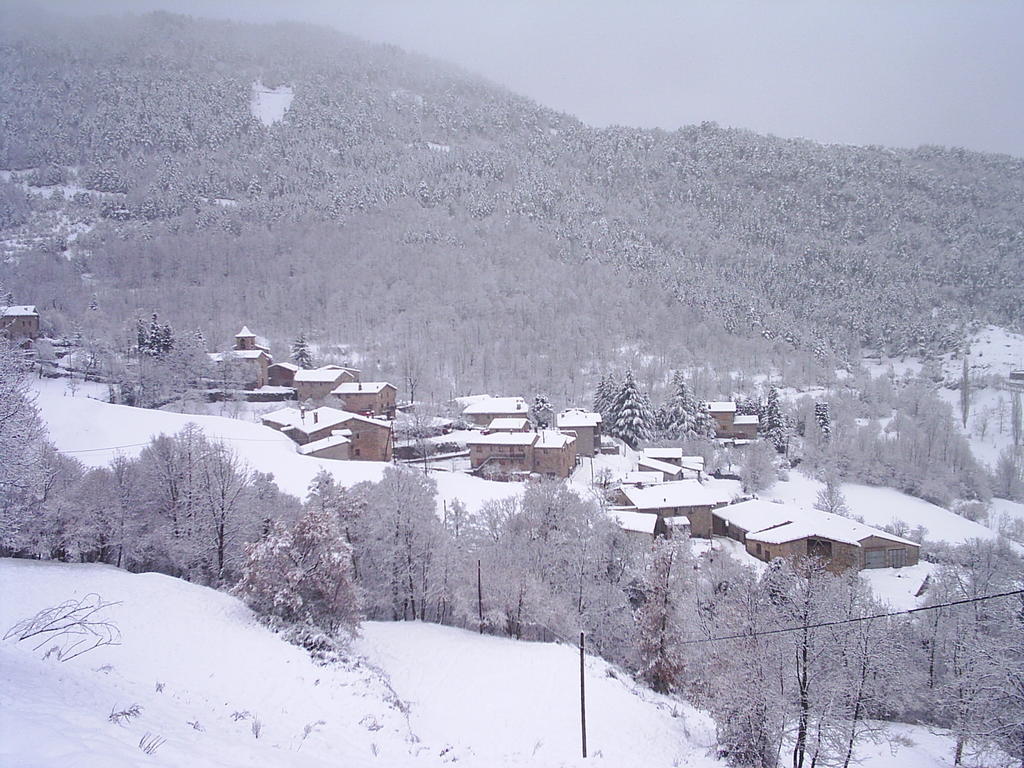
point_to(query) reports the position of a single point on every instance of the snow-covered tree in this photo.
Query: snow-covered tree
(775, 428)
(604, 397)
(677, 416)
(660, 625)
(301, 354)
(823, 418)
(633, 418)
(541, 412)
(303, 574)
(830, 497)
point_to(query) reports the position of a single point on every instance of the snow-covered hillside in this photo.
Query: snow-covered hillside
(94, 432)
(884, 506)
(191, 655)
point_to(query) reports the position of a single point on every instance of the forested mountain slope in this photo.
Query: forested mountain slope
(403, 199)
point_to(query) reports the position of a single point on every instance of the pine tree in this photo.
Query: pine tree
(775, 428)
(604, 397)
(301, 353)
(541, 412)
(823, 419)
(677, 417)
(632, 416)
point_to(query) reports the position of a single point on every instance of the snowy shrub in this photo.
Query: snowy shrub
(303, 575)
(72, 626)
(123, 716)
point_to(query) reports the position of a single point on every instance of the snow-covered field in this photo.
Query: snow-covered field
(194, 660)
(478, 701)
(94, 432)
(269, 105)
(883, 506)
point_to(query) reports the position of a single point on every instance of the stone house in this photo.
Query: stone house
(667, 471)
(729, 424)
(368, 397)
(640, 525)
(688, 498)
(369, 439)
(692, 466)
(19, 323)
(252, 360)
(282, 374)
(482, 412)
(585, 425)
(317, 383)
(554, 454)
(336, 446)
(770, 530)
(511, 454)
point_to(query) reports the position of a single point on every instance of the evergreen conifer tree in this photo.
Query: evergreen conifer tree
(774, 422)
(301, 354)
(677, 417)
(823, 419)
(541, 413)
(631, 419)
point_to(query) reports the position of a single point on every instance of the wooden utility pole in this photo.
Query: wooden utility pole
(583, 699)
(479, 597)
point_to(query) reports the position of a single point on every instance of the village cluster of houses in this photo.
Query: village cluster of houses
(669, 491)
(354, 422)
(509, 447)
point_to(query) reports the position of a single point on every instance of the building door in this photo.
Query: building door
(897, 558)
(874, 558)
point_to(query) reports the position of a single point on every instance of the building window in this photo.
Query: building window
(757, 549)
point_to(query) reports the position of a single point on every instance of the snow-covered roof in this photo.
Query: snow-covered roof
(245, 333)
(722, 406)
(642, 478)
(746, 418)
(358, 387)
(771, 523)
(550, 439)
(496, 405)
(503, 438)
(659, 466)
(675, 454)
(325, 442)
(238, 354)
(638, 522)
(577, 417)
(24, 310)
(513, 423)
(756, 514)
(316, 419)
(327, 374)
(287, 366)
(679, 493)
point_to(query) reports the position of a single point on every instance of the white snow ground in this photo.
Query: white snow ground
(883, 506)
(411, 694)
(94, 432)
(478, 700)
(269, 105)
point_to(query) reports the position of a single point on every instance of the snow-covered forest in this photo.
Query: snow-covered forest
(399, 200)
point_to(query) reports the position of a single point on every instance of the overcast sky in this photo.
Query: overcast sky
(893, 72)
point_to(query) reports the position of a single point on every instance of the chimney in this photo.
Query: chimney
(360, 386)
(316, 417)
(302, 414)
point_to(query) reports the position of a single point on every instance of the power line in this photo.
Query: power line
(214, 438)
(838, 622)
